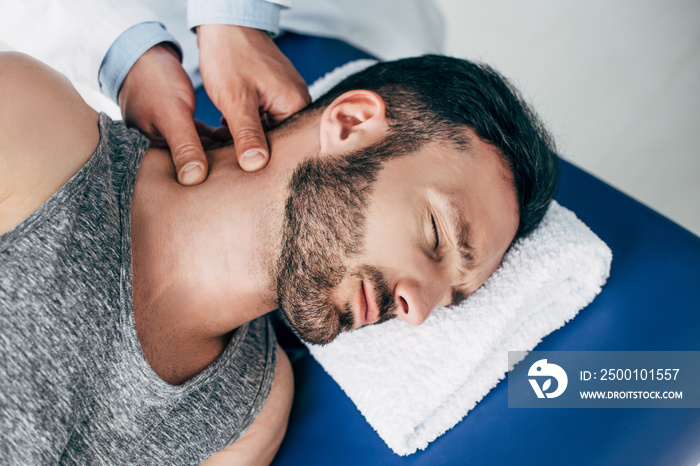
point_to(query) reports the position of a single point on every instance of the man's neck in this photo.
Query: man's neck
(204, 256)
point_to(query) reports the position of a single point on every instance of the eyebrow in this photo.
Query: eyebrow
(460, 230)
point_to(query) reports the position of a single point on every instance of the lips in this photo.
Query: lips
(371, 311)
(362, 307)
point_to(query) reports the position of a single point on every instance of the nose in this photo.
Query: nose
(415, 303)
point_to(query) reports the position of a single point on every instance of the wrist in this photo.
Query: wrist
(228, 34)
(124, 52)
(140, 72)
(167, 47)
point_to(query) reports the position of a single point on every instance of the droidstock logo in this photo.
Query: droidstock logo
(542, 369)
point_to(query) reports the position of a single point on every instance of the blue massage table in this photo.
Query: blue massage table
(651, 302)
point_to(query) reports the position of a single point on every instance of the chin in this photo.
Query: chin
(316, 328)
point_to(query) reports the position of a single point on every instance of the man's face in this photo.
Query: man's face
(365, 241)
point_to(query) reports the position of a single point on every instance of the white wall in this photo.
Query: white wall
(617, 82)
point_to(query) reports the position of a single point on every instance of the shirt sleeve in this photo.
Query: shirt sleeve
(124, 52)
(258, 14)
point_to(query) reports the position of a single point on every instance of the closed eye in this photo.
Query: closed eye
(435, 233)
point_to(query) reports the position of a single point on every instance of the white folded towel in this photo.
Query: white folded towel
(325, 83)
(414, 383)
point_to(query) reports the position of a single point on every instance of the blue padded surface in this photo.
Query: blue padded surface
(651, 302)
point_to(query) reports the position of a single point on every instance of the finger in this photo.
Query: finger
(186, 148)
(203, 129)
(222, 133)
(243, 120)
(281, 109)
(212, 133)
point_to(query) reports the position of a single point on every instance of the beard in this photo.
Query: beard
(324, 227)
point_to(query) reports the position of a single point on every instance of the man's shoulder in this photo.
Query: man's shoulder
(47, 133)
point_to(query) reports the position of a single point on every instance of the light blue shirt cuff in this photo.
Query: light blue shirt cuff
(128, 48)
(258, 14)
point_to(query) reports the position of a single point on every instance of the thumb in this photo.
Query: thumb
(243, 120)
(188, 155)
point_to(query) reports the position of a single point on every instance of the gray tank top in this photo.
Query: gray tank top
(75, 387)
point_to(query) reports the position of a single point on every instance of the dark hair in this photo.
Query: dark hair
(432, 98)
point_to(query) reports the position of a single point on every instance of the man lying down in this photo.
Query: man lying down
(133, 324)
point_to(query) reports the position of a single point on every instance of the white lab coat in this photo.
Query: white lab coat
(73, 36)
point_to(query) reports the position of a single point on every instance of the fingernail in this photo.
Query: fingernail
(253, 159)
(190, 173)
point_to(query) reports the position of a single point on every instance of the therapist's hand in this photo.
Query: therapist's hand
(157, 97)
(249, 80)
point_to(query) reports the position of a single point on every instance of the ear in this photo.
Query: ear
(352, 121)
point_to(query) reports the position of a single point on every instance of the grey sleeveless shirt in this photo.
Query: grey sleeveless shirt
(75, 387)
